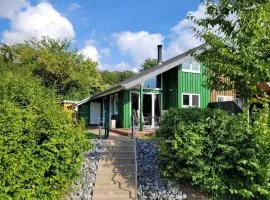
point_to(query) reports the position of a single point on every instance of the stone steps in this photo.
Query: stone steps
(116, 161)
(112, 184)
(113, 194)
(115, 178)
(116, 142)
(124, 169)
(128, 179)
(117, 153)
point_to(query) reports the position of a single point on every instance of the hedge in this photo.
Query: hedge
(40, 147)
(223, 154)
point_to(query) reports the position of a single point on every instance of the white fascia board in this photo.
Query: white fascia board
(163, 69)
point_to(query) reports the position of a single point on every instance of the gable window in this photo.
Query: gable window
(191, 65)
(154, 82)
(191, 100)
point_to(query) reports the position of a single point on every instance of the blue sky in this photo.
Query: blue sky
(118, 34)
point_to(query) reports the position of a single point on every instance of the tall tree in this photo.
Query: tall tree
(58, 65)
(148, 64)
(111, 78)
(237, 34)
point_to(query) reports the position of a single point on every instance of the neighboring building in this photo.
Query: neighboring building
(176, 82)
(70, 107)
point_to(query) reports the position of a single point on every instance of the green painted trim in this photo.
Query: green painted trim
(141, 108)
(149, 90)
(192, 83)
(127, 105)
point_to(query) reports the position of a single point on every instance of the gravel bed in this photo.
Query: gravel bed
(83, 188)
(152, 185)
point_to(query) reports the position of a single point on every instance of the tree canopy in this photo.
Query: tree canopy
(237, 34)
(148, 64)
(57, 65)
(111, 78)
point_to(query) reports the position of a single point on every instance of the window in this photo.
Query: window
(154, 82)
(191, 65)
(224, 98)
(191, 100)
(116, 104)
(111, 104)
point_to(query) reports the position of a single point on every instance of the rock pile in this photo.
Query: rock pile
(83, 188)
(153, 187)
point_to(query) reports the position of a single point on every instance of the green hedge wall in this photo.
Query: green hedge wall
(224, 154)
(40, 147)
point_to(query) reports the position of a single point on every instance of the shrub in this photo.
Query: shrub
(40, 147)
(220, 152)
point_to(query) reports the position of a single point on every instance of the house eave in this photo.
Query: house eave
(109, 91)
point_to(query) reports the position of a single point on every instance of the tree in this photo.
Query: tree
(41, 147)
(111, 78)
(148, 64)
(237, 34)
(58, 65)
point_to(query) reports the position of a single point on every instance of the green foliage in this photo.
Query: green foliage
(237, 34)
(111, 78)
(148, 64)
(223, 154)
(40, 146)
(58, 66)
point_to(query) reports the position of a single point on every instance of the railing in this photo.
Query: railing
(133, 135)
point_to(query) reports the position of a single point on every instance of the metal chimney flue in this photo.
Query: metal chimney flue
(159, 58)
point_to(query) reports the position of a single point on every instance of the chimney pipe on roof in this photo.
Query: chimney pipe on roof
(159, 58)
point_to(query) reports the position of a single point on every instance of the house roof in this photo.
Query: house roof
(146, 75)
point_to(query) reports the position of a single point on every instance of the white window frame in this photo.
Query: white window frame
(190, 59)
(225, 97)
(190, 100)
(116, 101)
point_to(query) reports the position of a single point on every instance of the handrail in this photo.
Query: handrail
(133, 135)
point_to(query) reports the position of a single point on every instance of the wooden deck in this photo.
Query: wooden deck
(127, 132)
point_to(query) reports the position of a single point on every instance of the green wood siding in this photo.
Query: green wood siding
(170, 88)
(192, 83)
(84, 112)
(124, 108)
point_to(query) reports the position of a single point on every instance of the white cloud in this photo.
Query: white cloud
(105, 51)
(139, 46)
(72, 7)
(91, 52)
(142, 45)
(182, 37)
(9, 8)
(37, 21)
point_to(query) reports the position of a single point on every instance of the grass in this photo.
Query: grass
(149, 137)
(90, 135)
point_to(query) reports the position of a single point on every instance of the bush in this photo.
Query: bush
(40, 147)
(217, 151)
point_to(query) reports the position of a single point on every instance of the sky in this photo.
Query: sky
(118, 34)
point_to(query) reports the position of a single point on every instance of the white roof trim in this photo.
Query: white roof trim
(83, 101)
(146, 77)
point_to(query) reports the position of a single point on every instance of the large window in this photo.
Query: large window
(154, 82)
(191, 65)
(191, 100)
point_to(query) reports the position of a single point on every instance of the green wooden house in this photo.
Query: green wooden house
(176, 82)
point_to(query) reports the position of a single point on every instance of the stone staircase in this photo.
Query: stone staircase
(115, 178)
